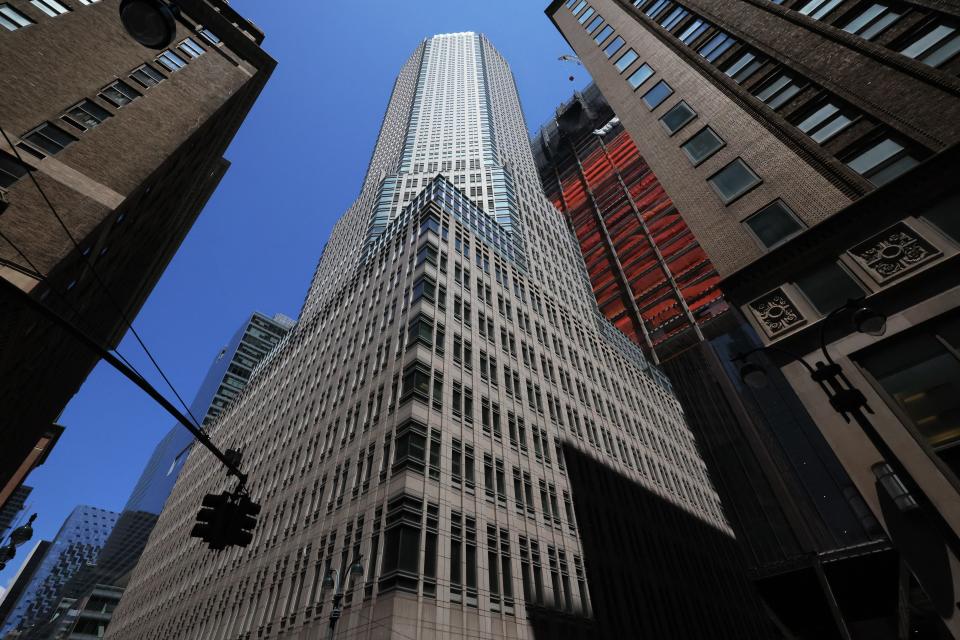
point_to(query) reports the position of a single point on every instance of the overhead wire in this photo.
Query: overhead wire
(34, 272)
(97, 277)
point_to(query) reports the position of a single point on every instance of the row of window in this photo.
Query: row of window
(881, 159)
(11, 19)
(49, 138)
(876, 155)
(730, 182)
(934, 41)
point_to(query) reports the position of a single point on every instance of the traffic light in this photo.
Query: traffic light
(226, 520)
(243, 522)
(213, 520)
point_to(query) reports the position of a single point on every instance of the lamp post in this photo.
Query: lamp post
(332, 581)
(848, 401)
(18, 537)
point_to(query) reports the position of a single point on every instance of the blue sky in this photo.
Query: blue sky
(298, 162)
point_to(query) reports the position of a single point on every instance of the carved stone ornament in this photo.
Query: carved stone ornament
(776, 313)
(893, 252)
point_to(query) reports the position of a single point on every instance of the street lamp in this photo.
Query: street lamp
(18, 537)
(332, 581)
(152, 23)
(850, 403)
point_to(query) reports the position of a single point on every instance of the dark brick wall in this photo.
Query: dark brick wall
(129, 189)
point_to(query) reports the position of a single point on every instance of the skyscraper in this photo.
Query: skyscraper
(413, 421)
(809, 145)
(112, 222)
(77, 543)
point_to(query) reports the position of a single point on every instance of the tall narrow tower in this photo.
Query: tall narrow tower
(415, 418)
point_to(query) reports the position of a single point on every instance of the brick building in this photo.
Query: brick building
(806, 144)
(127, 143)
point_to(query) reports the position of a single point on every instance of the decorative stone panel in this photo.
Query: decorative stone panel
(893, 252)
(776, 313)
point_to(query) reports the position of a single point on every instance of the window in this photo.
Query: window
(828, 287)
(655, 96)
(586, 15)
(816, 9)
(119, 93)
(50, 138)
(579, 7)
(171, 61)
(702, 145)
(872, 20)
(11, 19)
(146, 76)
(50, 7)
(825, 122)
(615, 45)
(641, 75)
(920, 372)
(773, 224)
(191, 48)
(677, 117)
(411, 442)
(604, 34)
(744, 66)
(86, 115)
(693, 31)
(11, 170)
(656, 8)
(935, 46)
(944, 216)
(626, 60)
(734, 180)
(778, 90)
(596, 22)
(716, 46)
(883, 161)
(416, 382)
(209, 36)
(673, 18)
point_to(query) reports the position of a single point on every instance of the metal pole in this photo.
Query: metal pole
(115, 362)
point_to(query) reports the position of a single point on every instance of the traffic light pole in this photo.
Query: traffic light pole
(130, 374)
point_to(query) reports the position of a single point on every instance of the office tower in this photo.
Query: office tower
(226, 378)
(77, 543)
(784, 493)
(86, 596)
(411, 424)
(807, 146)
(11, 510)
(172, 112)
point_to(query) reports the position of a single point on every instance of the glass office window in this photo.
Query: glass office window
(615, 45)
(641, 75)
(626, 60)
(773, 224)
(871, 21)
(11, 19)
(935, 46)
(734, 180)
(920, 372)
(604, 34)
(657, 94)
(677, 117)
(702, 145)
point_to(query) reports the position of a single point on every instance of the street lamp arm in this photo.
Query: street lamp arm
(772, 347)
(131, 375)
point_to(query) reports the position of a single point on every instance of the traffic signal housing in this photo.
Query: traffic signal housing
(213, 520)
(226, 520)
(244, 521)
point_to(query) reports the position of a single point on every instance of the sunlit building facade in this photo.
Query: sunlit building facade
(414, 419)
